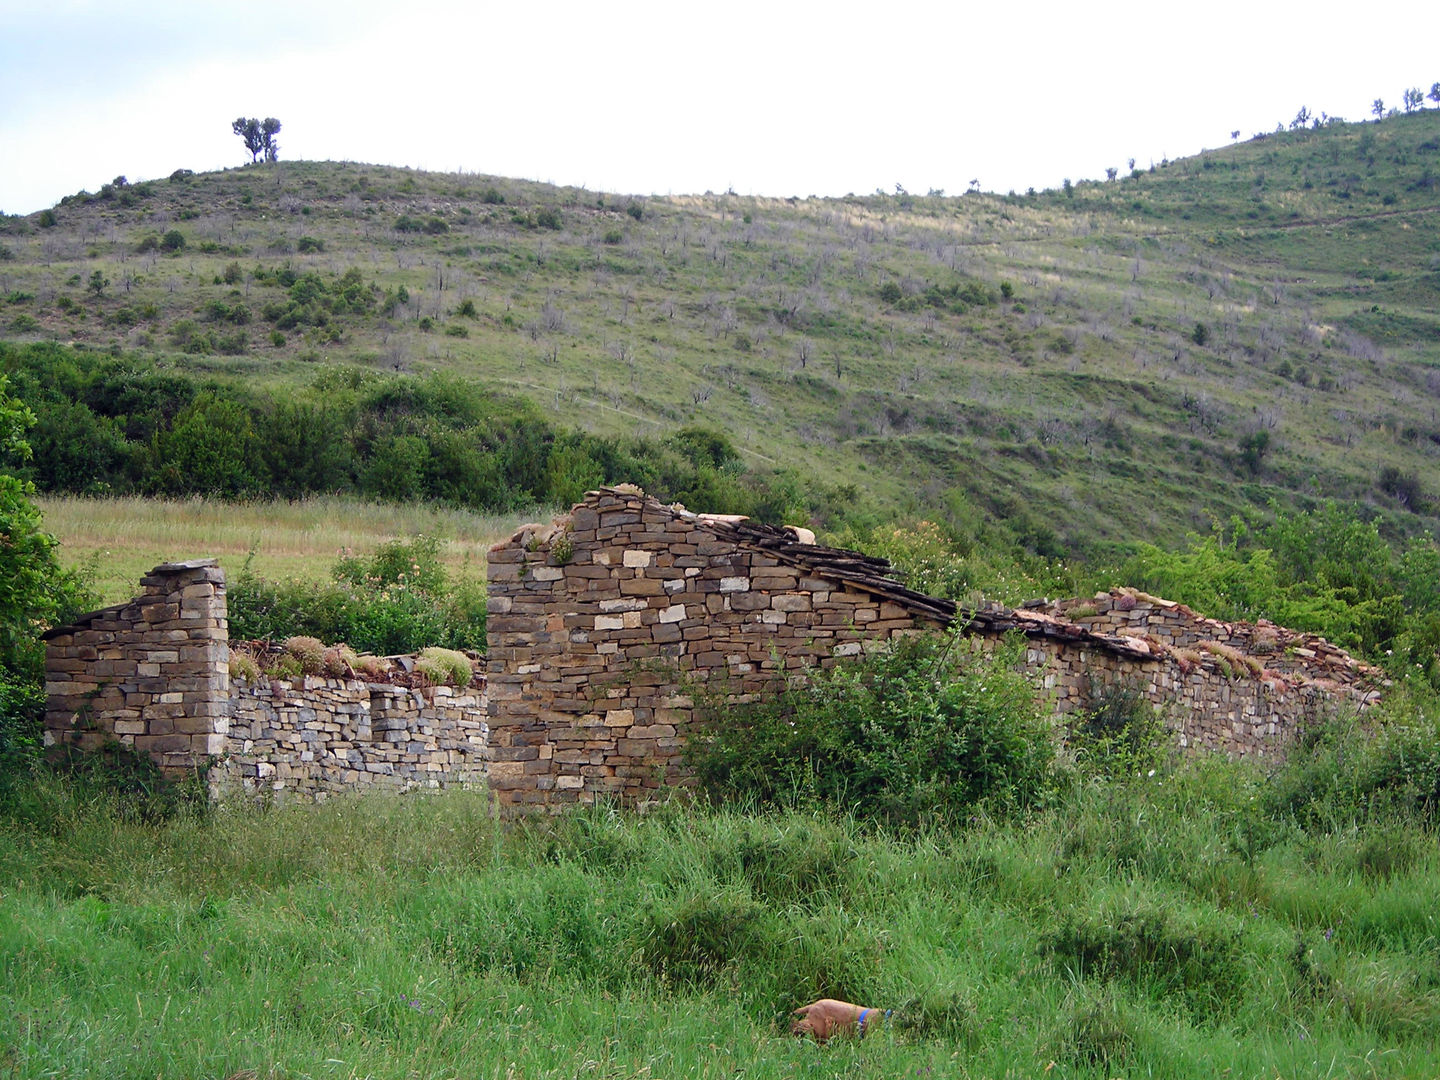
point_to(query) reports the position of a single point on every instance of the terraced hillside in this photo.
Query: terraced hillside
(1112, 361)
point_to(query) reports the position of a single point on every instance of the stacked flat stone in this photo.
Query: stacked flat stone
(152, 673)
(603, 626)
(317, 736)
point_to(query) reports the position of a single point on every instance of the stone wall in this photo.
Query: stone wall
(605, 623)
(318, 736)
(602, 626)
(153, 674)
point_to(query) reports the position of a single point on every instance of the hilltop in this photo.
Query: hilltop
(1112, 361)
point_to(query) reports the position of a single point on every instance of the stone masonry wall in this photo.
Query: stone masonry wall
(600, 627)
(153, 673)
(318, 736)
(602, 624)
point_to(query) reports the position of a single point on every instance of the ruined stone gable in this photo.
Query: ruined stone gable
(602, 625)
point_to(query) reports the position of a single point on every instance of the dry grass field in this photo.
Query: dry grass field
(117, 540)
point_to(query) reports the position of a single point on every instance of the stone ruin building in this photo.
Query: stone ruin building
(602, 625)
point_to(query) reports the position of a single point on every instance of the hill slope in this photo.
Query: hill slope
(1111, 362)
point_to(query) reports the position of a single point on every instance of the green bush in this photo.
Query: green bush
(1342, 773)
(1118, 734)
(399, 600)
(923, 730)
(445, 667)
(1197, 956)
(173, 241)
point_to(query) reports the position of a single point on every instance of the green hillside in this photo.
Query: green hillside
(1110, 362)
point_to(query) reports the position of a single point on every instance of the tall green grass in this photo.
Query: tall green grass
(1134, 927)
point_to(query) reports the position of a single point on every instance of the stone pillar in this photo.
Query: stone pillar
(153, 674)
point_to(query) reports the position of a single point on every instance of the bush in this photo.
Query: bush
(920, 731)
(1340, 774)
(399, 600)
(445, 667)
(22, 711)
(1197, 956)
(1119, 734)
(173, 241)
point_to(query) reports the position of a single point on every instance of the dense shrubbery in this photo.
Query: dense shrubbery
(398, 600)
(923, 731)
(35, 593)
(1328, 571)
(108, 425)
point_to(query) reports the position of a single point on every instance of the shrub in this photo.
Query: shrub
(373, 666)
(339, 662)
(547, 218)
(1119, 734)
(309, 651)
(613, 236)
(243, 666)
(308, 244)
(635, 210)
(445, 667)
(920, 730)
(399, 600)
(173, 241)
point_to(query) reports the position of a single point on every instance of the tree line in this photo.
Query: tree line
(125, 425)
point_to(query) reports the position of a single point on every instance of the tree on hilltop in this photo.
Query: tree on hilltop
(259, 137)
(1413, 99)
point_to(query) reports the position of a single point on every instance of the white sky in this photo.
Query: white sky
(779, 98)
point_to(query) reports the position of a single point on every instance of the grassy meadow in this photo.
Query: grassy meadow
(1166, 926)
(117, 540)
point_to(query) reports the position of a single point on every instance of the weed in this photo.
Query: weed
(445, 667)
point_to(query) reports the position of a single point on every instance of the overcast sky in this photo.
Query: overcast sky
(774, 98)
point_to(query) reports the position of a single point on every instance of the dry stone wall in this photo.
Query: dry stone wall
(318, 736)
(605, 625)
(153, 674)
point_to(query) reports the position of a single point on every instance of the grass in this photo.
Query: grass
(1120, 932)
(120, 539)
